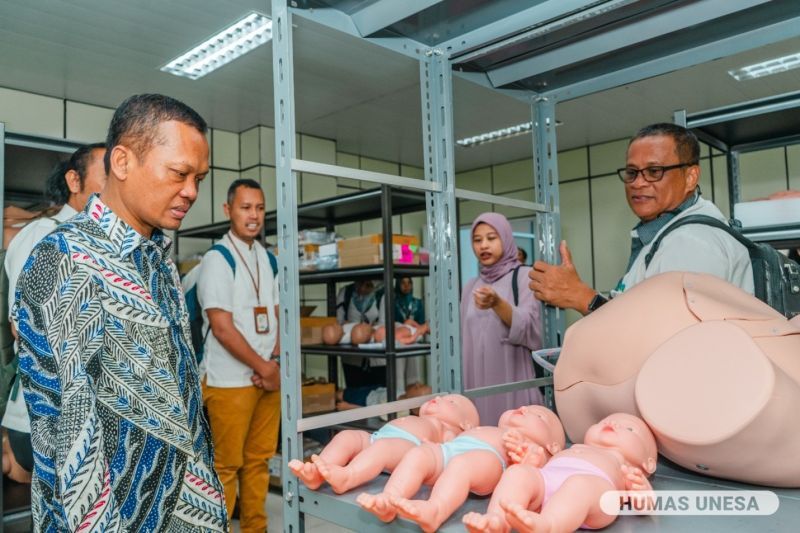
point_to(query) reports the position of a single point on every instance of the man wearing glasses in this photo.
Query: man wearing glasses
(661, 185)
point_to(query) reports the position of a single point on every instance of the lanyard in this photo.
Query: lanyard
(256, 280)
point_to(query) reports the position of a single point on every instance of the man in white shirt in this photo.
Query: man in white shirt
(661, 178)
(241, 391)
(69, 185)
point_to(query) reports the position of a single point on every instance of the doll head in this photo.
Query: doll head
(537, 423)
(362, 333)
(627, 434)
(332, 334)
(452, 410)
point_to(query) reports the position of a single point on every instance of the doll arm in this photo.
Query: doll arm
(522, 451)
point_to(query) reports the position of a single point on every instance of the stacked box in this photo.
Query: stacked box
(368, 250)
(311, 328)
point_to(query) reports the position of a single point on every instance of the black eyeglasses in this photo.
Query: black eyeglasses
(651, 174)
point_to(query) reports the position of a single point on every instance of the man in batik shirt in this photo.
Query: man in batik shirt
(110, 380)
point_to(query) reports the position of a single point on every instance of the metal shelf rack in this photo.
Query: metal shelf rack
(541, 53)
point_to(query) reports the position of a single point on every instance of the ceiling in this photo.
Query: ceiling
(361, 95)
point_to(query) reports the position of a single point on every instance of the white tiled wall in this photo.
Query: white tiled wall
(87, 123)
(33, 114)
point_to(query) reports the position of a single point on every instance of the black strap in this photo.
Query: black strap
(514, 287)
(697, 219)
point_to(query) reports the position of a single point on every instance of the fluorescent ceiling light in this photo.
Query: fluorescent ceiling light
(765, 68)
(496, 135)
(234, 41)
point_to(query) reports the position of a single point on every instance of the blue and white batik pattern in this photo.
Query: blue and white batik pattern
(119, 438)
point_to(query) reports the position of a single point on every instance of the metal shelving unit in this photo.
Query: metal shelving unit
(745, 127)
(542, 53)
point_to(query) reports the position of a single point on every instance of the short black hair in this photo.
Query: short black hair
(686, 143)
(136, 120)
(523, 252)
(241, 182)
(56, 189)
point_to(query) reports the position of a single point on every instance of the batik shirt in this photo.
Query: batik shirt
(119, 439)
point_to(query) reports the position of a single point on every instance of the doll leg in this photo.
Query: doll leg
(476, 471)
(383, 454)
(575, 503)
(344, 446)
(419, 466)
(520, 484)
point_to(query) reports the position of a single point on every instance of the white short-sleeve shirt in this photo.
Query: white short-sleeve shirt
(219, 288)
(19, 249)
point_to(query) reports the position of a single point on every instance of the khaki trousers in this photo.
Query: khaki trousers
(244, 427)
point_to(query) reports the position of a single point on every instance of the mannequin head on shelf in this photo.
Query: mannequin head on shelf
(361, 334)
(332, 333)
(405, 333)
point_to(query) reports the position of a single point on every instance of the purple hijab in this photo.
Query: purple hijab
(508, 261)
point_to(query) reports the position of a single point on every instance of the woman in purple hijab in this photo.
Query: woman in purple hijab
(497, 337)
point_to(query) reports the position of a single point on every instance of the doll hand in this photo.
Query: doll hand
(485, 297)
(635, 478)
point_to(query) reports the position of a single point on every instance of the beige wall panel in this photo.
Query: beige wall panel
(248, 140)
(721, 192)
(315, 292)
(87, 123)
(378, 165)
(267, 142)
(316, 366)
(761, 173)
(573, 164)
(513, 176)
(225, 149)
(316, 187)
(222, 180)
(705, 178)
(468, 210)
(606, 158)
(516, 212)
(318, 150)
(415, 224)
(269, 185)
(31, 113)
(191, 247)
(412, 172)
(576, 226)
(200, 213)
(613, 221)
(478, 180)
(349, 161)
(371, 226)
(793, 156)
(353, 229)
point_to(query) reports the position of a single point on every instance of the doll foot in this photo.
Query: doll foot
(338, 477)
(307, 473)
(485, 523)
(377, 504)
(525, 521)
(423, 512)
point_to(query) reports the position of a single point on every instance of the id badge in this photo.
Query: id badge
(262, 319)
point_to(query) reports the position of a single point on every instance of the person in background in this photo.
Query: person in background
(406, 307)
(497, 335)
(660, 178)
(69, 186)
(358, 302)
(241, 390)
(111, 382)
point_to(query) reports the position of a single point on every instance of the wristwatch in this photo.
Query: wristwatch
(597, 302)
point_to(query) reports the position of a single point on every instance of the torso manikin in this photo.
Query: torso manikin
(713, 371)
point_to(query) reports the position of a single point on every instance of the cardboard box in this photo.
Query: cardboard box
(311, 328)
(319, 398)
(368, 250)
